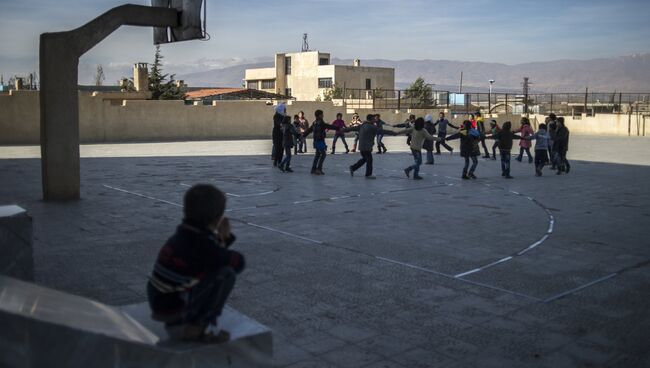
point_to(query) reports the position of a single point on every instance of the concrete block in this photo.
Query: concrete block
(16, 252)
(42, 327)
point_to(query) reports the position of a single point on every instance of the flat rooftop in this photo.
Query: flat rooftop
(348, 272)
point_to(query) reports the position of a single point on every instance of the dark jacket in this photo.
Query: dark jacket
(319, 128)
(429, 127)
(561, 141)
(277, 128)
(468, 143)
(505, 137)
(185, 259)
(288, 135)
(367, 133)
(442, 126)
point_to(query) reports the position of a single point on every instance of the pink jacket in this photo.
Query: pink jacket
(526, 131)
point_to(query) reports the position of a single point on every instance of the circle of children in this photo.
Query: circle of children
(551, 141)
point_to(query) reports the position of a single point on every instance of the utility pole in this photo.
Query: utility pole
(526, 87)
(490, 97)
(460, 88)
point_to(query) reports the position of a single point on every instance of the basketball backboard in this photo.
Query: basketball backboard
(191, 23)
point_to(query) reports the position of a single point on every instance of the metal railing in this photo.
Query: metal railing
(571, 104)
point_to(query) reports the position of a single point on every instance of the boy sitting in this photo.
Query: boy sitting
(195, 271)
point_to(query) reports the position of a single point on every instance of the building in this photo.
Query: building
(207, 95)
(307, 75)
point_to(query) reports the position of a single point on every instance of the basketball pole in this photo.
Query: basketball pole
(59, 100)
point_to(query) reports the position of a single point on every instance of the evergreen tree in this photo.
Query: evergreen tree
(420, 92)
(159, 86)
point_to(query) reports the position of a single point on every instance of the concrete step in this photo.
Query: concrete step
(42, 327)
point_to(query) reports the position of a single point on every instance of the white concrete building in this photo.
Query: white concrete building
(307, 75)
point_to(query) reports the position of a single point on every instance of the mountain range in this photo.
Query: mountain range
(629, 73)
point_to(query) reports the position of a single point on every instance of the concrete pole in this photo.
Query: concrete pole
(59, 100)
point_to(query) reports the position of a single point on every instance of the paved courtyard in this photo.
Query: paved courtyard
(348, 272)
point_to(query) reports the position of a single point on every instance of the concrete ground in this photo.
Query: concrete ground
(348, 272)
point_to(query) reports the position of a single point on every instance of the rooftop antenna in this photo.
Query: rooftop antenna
(305, 42)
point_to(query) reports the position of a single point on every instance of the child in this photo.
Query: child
(195, 271)
(381, 147)
(524, 144)
(480, 126)
(288, 142)
(418, 136)
(355, 122)
(560, 147)
(505, 137)
(541, 148)
(304, 125)
(428, 144)
(494, 129)
(442, 124)
(367, 133)
(280, 112)
(319, 128)
(296, 126)
(339, 134)
(469, 139)
(408, 123)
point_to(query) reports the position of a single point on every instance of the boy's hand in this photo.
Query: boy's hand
(224, 230)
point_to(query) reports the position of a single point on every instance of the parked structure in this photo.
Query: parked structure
(308, 76)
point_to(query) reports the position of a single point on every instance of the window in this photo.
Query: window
(287, 65)
(287, 92)
(368, 84)
(324, 82)
(268, 84)
(324, 61)
(252, 84)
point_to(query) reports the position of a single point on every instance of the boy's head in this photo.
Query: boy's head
(296, 117)
(318, 114)
(441, 115)
(339, 116)
(542, 126)
(552, 116)
(412, 117)
(478, 113)
(204, 205)
(370, 118)
(507, 125)
(493, 123)
(467, 125)
(560, 120)
(419, 124)
(378, 116)
(286, 120)
(525, 121)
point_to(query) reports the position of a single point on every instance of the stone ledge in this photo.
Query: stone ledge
(16, 252)
(42, 327)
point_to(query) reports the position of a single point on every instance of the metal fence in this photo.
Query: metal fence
(571, 104)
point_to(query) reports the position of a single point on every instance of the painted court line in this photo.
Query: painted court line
(282, 232)
(142, 195)
(549, 231)
(388, 260)
(234, 219)
(581, 287)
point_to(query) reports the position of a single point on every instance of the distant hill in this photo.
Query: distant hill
(626, 74)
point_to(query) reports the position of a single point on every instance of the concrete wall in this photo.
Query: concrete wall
(105, 117)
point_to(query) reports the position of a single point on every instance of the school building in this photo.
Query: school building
(307, 75)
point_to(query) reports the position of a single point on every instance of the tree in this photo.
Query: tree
(334, 93)
(160, 87)
(420, 92)
(99, 75)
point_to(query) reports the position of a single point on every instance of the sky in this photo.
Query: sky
(509, 32)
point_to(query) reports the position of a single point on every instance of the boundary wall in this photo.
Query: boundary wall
(127, 117)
